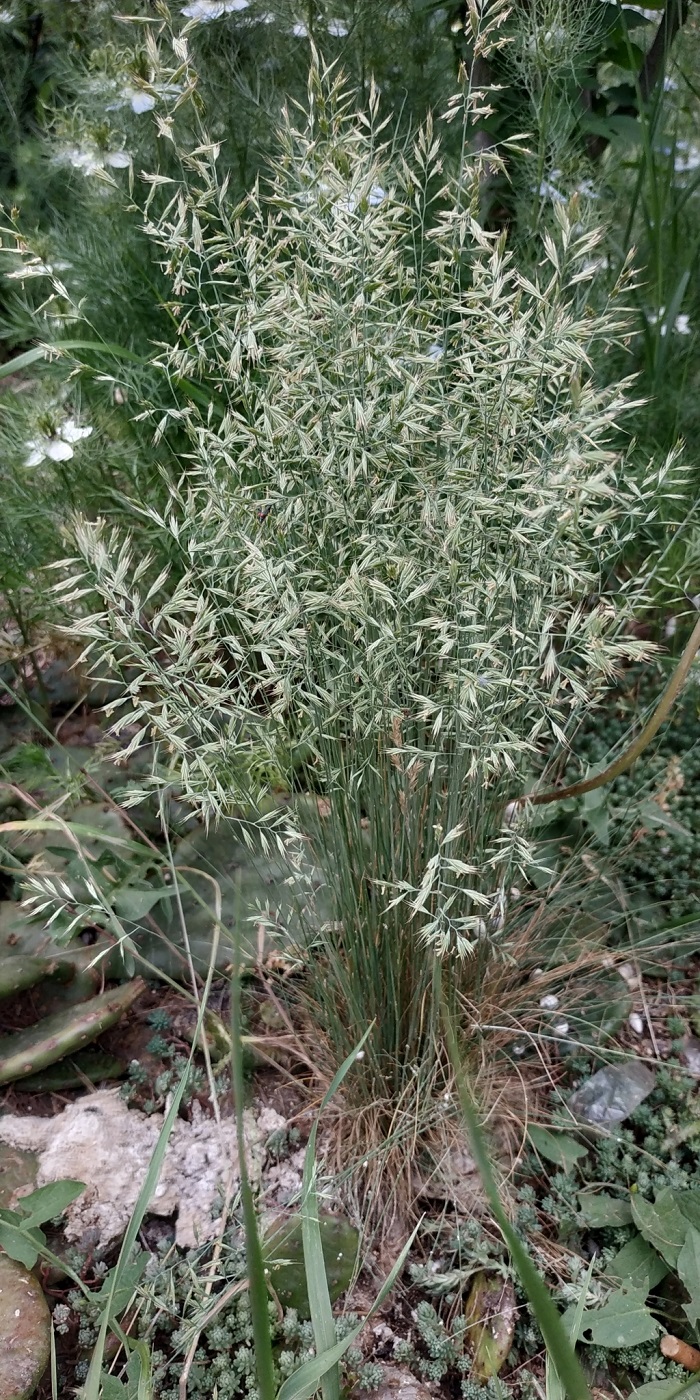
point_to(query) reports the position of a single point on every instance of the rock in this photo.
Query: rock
(25, 1331)
(397, 1384)
(283, 1254)
(18, 1171)
(100, 1141)
(613, 1093)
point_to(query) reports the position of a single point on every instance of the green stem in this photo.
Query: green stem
(631, 754)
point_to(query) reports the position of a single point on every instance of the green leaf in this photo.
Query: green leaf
(314, 1263)
(689, 1273)
(654, 816)
(302, 1384)
(594, 812)
(112, 1388)
(24, 1246)
(124, 1286)
(624, 1321)
(134, 903)
(667, 1390)
(262, 1340)
(688, 1203)
(48, 1201)
(661, 1224)
(557, 1147)
(637, 1265)
(572, 1320)
(598, 1210)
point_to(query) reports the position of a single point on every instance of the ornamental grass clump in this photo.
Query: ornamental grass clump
(394, 541)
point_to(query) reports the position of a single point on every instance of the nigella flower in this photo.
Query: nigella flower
(687, 157)
(206, 10)
(57, 446)
(681, 325)
(337, 28)
(140, 101)
(548, 190)
(91, 161)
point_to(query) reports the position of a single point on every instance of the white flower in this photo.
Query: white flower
(652, 15)
(670, 627)
(91, 161)
(206, 10)
(7, 17)
(687, 157)
(300, 31)
(142, 101)
(587, 189)
(670, 85)
(337, 28)
(58, 446)
(435, 352)
(561, 1028)
(549, 1003)
(635, 1023)
(350, 203)
(681, 325)
(549, 191)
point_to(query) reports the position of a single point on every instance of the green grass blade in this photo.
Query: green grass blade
(314, 1264)
(305, 1381)
(254, 1259)
(554, 1389)
(551, 1326)
(91, 1388)
(20, 362)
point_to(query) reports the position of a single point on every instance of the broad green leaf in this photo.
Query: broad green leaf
(134, 903)
(637, 1265)
(599, 1210)
(689, 1272)
(653, 815)
(48, 1201)
(124, 1285)
(623, 1321)
(661, 1224)
(667, 1390)
(594, 812)
(557, 1147)
(139, 1372)
(24, 1246)
(688, 1203)
(112, 1388)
